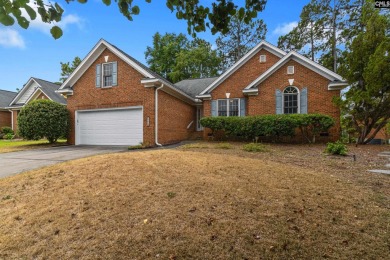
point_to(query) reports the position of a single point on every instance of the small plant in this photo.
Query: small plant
(337, 148)
(7, 130)
(8, 136)
(254, 147)
(171, 195)
(7, 197)
(224, 146)
(134, 147)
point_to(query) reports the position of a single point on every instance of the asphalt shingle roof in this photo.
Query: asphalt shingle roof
(49, 89)
(6, 97)
(194, 87)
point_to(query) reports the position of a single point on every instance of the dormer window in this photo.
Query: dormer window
(290, 70)
(263, 58)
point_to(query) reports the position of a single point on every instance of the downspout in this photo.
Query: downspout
(156, 116)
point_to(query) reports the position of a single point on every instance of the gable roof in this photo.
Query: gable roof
(138, 66)
(194, 87)
(6, 97)
(302, 60)
(46, 87)
(262, 45)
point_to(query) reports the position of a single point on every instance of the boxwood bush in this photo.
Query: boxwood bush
(43, 119)
(249, 127)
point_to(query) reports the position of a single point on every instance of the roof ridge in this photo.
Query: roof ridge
(8, 90)
(199, 78)
(45, 80)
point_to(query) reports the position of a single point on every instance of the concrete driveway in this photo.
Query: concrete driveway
(17, 162)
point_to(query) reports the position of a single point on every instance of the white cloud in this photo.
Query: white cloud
(284, 28)
(67, 20)
(11, 38)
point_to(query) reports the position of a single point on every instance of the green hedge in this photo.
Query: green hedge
(249, 127)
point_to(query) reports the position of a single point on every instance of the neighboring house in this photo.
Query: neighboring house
(34, 89)
(116, 100)
(5, 114)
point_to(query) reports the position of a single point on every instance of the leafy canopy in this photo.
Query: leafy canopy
(367, 68)
(240, 38)
(324, 27)
(198, 16)
(67, 68)
(43, 119)
(175, 57)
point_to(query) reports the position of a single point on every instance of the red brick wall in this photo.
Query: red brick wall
(174, 117)
(319, 97)
(5, 118)
(241, 78)
(128, 92)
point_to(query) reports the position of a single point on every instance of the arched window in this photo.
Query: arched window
(290, 100)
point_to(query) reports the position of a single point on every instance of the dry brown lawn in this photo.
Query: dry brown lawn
(292, 202)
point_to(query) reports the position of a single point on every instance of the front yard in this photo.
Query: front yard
(7, 146)
(202, 201)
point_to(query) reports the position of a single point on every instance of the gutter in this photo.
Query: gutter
(156, 115)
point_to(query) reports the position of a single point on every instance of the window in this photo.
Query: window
(290, 100)
(199, 115)
(290, 70)
(222, 107)
(263, 58)
(107, 74)
(229, 107)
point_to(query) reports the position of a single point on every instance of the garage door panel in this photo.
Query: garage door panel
(110, 127)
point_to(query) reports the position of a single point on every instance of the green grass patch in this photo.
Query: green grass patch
(135, 147)
(18, 144)
(224, 146)
(253, 147)
(196, 146)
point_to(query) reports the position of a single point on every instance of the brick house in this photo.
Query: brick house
(34, 89)
(5, 114)
(116, 100)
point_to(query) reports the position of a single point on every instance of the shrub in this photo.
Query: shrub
(43, 119)
(7, 130)
(337, 148)
(253, 147)
(249, 127)
(8, 136)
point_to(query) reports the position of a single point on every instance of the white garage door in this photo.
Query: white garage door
(109, 127)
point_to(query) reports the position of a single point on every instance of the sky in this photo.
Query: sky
(35, 53)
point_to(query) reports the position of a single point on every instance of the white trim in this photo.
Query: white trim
(337, 85)
(290, 70)
(251, 92)
(300, 59)
(68, 92)
(77, 125)
(199, 113)
(298, 99)
(205, 96)
(33, 94)
(22, 91)
(262, 45)
(227, 106)
(102, 74)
